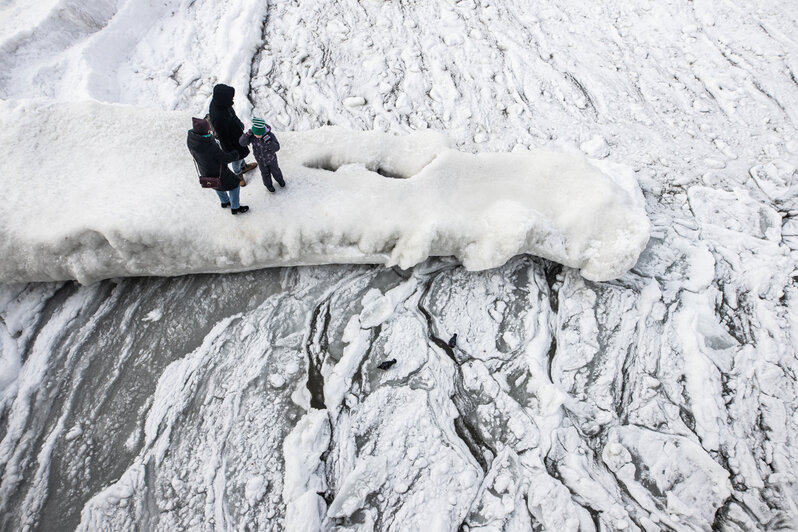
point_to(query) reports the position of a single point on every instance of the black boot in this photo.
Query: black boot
(225, 205)
(241, 210)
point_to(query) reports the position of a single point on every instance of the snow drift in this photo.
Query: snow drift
(102, 190)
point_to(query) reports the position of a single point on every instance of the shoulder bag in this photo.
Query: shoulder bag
(209, 181)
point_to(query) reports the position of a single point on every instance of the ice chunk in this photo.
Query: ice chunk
(303, 480)
(154, 315)
(688, 482)
(338, 381)
(354, 101)
(74, 433)
(365, 479)
(775, 178)
(735, 211)
(255, 489)
(596, 147)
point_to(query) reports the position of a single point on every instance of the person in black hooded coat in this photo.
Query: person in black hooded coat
(212, 161)
(227, 126)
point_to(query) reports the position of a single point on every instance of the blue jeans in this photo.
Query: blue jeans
(237, 166)
(230, 196)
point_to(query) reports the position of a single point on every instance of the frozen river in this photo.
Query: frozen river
(663, 400)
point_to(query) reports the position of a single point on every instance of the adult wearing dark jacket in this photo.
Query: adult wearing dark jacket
(212, 162)
(227, 126)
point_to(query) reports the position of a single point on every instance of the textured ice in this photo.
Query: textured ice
(663, 400)
(133, 206)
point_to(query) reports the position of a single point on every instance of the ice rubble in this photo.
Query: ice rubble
(115, 193)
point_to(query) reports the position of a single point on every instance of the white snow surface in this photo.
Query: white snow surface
(116, 194)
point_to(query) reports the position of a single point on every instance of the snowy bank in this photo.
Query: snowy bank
(98, 190)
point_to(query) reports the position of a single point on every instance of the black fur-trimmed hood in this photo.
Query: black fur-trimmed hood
(223, 95)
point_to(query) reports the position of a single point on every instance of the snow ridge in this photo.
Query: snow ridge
(133, 207)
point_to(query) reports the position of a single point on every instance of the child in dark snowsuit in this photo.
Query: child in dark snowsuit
(265, 148)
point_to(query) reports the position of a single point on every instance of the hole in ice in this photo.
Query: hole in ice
(327, 163)
(387, 173)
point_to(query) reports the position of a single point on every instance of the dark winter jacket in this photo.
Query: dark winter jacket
(211, 159)
(265, 148)
(227, 126)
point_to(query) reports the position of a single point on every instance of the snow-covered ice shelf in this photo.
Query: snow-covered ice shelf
(115, 194)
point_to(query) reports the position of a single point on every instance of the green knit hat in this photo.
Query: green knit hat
(258, 126)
